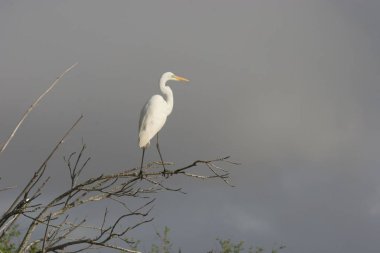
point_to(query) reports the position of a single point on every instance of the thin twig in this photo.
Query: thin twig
(46, 234)
(7, 188)
(37, 175)
(27, 188)
(32, 107)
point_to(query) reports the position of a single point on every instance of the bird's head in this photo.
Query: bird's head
(172, 77)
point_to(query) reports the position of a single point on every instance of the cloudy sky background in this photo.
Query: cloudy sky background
(288, 88)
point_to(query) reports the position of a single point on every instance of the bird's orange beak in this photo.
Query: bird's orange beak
(180, 78)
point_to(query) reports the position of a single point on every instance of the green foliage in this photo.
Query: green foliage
(166, 245)
(8, 244)
(35, 248)
(224, 246)
(7, 241)
(227, 246)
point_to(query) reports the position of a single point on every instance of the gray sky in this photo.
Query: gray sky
(290, 88)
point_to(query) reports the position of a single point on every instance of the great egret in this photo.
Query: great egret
(154, 113)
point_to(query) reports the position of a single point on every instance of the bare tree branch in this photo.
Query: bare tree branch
(46, 234)
(21, 202)
(7, 188)
(32, 107)
(117, 187)
(62, 233)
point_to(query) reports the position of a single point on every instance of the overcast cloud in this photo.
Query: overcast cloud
(289, 88)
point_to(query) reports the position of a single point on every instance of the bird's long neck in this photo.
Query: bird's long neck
(168, 94)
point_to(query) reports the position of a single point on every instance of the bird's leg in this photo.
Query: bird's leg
(162, 160)
(142, 161)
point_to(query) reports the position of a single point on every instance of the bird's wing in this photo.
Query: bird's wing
(152, 119)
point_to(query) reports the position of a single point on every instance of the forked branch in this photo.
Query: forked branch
(120, 188)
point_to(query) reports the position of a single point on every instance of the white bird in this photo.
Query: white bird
(154, 114)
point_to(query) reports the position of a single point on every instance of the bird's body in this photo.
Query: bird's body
(155, 112)
(152, 118)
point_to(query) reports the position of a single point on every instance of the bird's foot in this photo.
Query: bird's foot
(140, 175)
(165, 173)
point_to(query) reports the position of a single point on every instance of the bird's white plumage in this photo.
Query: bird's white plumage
(152, 119)
(155, 112)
